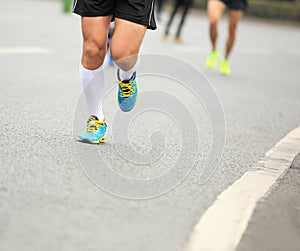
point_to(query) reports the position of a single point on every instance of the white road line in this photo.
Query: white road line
(24, 50)
(222, 225)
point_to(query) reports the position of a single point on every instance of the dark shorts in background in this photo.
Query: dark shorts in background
(136, 11)
(235, 4)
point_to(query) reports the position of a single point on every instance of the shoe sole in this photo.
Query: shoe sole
(101, 140)
(224, 72)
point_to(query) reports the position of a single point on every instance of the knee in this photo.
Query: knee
(125, 58)
(93, 50)
(121, 52)
(213, 23)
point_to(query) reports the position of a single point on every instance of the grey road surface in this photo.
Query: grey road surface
(275, 223)
(46, 200)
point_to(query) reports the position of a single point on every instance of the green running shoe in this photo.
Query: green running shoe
(224, 67)
(212, 59)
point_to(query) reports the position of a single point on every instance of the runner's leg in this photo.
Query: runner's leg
(215, 9)
(176, 6)
(234, 18)
(185, 12)
(125, 45)
(94, 30)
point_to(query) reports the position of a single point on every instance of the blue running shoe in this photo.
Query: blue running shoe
(95, 131)
(127, 93)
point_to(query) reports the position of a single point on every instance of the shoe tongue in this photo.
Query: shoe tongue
(126, 81)
(95, 117)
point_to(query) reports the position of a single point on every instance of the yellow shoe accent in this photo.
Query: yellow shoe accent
(126, 88)
(102, 140)
(94, 133)
(127, 93)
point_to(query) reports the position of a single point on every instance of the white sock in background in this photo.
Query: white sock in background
(126, 75)
(92, 82)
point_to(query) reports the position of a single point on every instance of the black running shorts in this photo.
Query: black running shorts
(235, 4)
(137, 11)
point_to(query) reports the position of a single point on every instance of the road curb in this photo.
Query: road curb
(223, 224)
(275, 222)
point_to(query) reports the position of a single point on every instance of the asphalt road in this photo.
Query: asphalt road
(46, 200)
(275, 222)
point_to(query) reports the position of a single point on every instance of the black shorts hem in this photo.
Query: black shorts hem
(238, 9)
(137, 21)
(127, 18)
(238, 5)
(85, 14)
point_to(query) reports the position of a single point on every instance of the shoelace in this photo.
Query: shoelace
(126, 89)
(93, 124)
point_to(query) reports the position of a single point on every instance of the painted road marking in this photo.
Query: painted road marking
(222, 225)
(24, 50)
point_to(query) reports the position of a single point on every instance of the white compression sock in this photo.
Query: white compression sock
(126, 75)
(92, 82)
